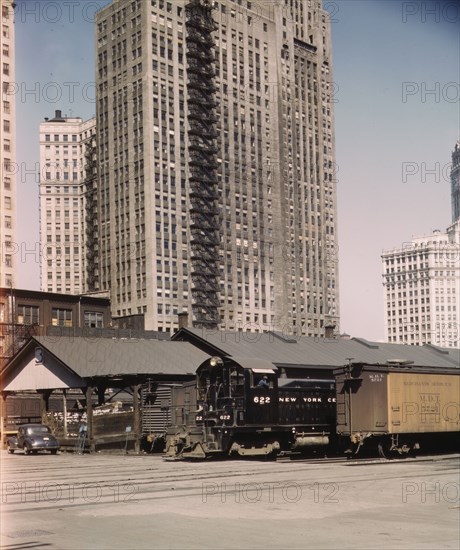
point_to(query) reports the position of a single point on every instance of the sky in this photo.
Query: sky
(396, 72)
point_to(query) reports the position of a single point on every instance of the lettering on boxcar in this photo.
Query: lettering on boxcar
(430, 408)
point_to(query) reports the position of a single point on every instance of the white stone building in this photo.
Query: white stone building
(455, 183)
(63, 224)
(422, 288)
(9, 247)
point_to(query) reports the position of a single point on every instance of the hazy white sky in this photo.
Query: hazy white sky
(396, 79)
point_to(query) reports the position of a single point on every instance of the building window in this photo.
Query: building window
(94, 319)
(28, 315)
(61, 317)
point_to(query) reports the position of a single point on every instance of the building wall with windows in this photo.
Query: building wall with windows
(422, 290)
(7, 149)
(277, 196)
(24, 313)
(63, 219)
(455, 183)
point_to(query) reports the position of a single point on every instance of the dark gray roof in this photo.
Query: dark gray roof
(106, 357)
(309, 351)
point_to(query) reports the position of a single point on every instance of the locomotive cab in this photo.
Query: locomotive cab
(262, 396)
(233, 395)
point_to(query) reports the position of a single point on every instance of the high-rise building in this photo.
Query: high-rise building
(66, 179)
(422, 288)
(276, 193)
(7, 150)
(455, 182)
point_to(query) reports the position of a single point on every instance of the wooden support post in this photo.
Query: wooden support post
(64, 410)
(100, 395)
(137, 417)
(89, 418)
(2, 419)
(44, 402)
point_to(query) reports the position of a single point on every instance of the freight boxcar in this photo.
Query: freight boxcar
(396, 408)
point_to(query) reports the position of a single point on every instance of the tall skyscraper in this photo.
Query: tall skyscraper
(455, 182)
(275, 159)
(422, 288)
(66, 181)
(8, 150)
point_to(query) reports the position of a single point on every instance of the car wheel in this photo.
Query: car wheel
(26, 449)
(11, 451)
(53, 451)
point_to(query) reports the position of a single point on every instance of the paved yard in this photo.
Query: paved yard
(128, 502)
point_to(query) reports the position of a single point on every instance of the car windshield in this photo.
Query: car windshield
(38, 430)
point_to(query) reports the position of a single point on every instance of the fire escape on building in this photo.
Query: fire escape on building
(202, 148)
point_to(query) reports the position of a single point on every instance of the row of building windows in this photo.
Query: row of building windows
(30, 315)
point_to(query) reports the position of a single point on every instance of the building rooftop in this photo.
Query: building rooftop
(306, 351)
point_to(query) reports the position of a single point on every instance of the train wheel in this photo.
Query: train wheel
(384, 449)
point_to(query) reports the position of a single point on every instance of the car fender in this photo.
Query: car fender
(13, 442)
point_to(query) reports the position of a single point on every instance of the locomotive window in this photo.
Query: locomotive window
(261, 381)
(236, 383)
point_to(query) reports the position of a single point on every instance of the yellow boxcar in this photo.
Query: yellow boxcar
(395, 406)
(423, 403)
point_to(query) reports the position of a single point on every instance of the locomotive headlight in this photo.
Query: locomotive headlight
(214, 361)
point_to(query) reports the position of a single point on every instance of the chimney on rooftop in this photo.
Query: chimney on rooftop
(183, 319)
(58, 114)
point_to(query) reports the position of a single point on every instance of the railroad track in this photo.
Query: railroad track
(353, 460)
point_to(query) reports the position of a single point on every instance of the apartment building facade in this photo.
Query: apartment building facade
(7, 149)
(422, 290)
(455, 183)
(66, 177)
(275, 151)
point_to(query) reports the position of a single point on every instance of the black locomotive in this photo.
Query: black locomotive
(248, 410)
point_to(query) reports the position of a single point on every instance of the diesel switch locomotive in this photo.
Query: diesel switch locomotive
(246, 409)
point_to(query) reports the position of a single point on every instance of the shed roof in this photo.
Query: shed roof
(309, 351)
(105, 357)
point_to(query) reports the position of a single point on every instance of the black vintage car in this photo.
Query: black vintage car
(32, 438)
